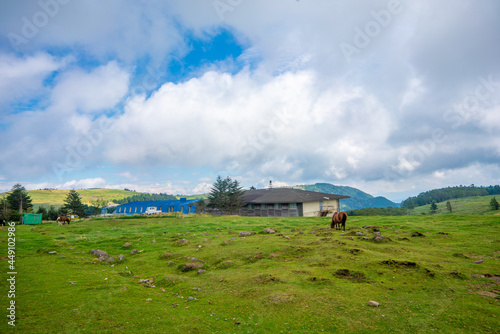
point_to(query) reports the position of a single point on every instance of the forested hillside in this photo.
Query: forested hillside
(145, 197)
(359, 199)
(444, 194)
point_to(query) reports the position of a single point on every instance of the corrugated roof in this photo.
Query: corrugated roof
(287, 195)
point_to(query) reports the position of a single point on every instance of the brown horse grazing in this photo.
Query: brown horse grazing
(338, 220)
(63, 220)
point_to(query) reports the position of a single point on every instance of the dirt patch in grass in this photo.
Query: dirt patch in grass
(185, 267)
(318, 279)
(458, 275)
(167, 255)
(301, 272)
(255, 258)
(353, 276)
(226, 265)
(280, 299)
(400, 264)
(417, 234)
(320, 264)
(267, 278)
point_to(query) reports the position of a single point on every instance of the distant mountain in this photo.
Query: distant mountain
(359, 199)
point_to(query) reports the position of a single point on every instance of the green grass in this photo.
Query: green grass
(316, 280)
(477, 205)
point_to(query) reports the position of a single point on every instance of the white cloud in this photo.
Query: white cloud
(93, 91)
(97, 182)
(22, 77)
(269, 126)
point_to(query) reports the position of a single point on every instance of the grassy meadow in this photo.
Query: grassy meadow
(476, 205)
(305, 278)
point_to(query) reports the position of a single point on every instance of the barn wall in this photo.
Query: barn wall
(312, 209)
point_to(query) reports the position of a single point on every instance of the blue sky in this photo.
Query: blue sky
(392, 97)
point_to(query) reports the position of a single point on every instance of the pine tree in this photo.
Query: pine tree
(52, 213)
(494, 204)
(19, 199)
(448, 206)
(226, 195)
(44, 212)
(74, 204)
(433, 208)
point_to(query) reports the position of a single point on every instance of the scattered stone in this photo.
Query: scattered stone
(268, 230)
(190, 299)
(132, 252)
(149, 300)
(373, 303)
(99, 253)
(479, 261)
(127, 244)
(121, 257)
(53, 252)
(245, 234)
(154, 241)
(196, 260)
(182, 242)
(61, 237)
(170, 262)
(287, 237)
(359, 233)
(201, 271)
(478, 276)
(110, 259)
(488, 294)
(139, 239)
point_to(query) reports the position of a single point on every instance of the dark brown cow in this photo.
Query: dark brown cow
(63, 220)
(338, 220)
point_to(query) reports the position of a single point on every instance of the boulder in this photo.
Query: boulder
(127, 244)
(99, 253)
(268, 230)
(244, 234)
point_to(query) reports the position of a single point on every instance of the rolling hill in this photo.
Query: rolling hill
(477, 205)
(55, 197)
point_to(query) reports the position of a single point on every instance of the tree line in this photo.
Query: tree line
(444, 194)
(145, 197)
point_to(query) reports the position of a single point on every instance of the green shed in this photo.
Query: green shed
(32, 218)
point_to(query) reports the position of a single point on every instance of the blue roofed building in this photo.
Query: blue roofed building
(157, 207)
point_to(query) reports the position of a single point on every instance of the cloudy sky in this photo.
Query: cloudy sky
(392, 97)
